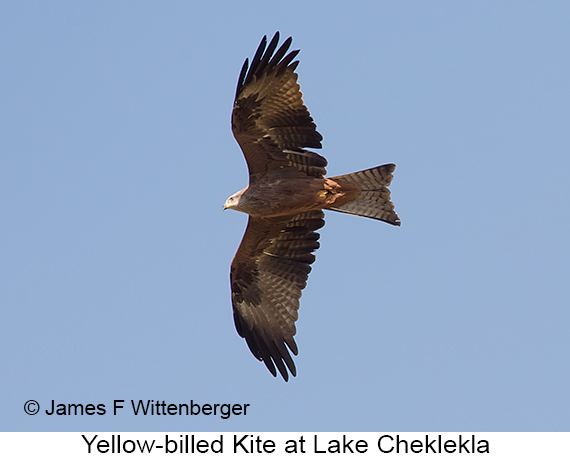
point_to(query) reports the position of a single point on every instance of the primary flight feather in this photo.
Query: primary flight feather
(286, 195)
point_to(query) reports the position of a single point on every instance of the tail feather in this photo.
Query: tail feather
(373, 199)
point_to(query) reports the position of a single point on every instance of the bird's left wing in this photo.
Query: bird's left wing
(269, 120)
(268, 273)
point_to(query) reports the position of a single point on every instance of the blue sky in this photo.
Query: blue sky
(116, 156)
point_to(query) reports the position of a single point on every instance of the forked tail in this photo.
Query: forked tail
(373, 199)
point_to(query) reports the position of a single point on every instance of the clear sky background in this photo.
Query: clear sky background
(116, 156)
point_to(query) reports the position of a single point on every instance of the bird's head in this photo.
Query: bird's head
(233, 202)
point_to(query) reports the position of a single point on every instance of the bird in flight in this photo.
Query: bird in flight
(285, 199)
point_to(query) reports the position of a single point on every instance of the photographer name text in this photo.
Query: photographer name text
(148, 408)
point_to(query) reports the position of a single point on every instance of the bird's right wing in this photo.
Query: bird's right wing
(268, 273)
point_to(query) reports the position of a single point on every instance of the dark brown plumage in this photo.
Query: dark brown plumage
(286, 195)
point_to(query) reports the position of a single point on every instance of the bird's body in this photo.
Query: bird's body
(285, 197)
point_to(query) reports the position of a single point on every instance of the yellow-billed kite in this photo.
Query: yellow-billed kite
(286, 195)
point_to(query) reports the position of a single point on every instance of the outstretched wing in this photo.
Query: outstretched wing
(268, 273)
(269, 120)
